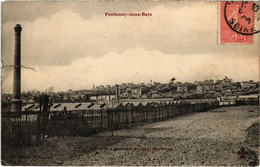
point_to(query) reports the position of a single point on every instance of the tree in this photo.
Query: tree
(173, 79)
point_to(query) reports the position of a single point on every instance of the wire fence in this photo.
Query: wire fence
(30, 127)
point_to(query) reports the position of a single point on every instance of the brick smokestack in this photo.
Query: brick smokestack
(16, 101)
(109, 98)
(117, 92)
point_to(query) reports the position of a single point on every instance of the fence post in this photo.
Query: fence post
(132, 117)
(70, 121)
(27, 131)
(101, 113)
(126, 119)
(112, 122)
(162, 112)
(177, 109)
(38, 127)
(187, 108)
(148, 111)
(169, 110)
(82, 117)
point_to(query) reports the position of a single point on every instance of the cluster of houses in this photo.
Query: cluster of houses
(225, 86)
(222, 86)
(150, 90)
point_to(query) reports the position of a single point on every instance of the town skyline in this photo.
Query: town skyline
(51, 88)
(152, 90)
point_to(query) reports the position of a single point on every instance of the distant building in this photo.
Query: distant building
(218, 88)
(211, 81)
(124, 95)
(244, 85)
(206, 82)
(227, 100)
(144, 96)
(104, 98)
(218, 81)
(130, 84)
(209, 87)
(128, 89)
(100, 87)
(149, 85)
(123, 85)
(247, 85)
(156, 83)
(182, 89)
(227, 80)
(155, 95)
(205, 87)
(199, 88)
(136, 92)
(70, 91)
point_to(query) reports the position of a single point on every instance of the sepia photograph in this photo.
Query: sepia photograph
(130, 83)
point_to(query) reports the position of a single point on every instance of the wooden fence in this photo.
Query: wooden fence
(33, 127)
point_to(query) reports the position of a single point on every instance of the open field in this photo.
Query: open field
(208, 138)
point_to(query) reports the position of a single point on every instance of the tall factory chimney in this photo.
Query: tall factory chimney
(16, 101)
(117, 92)
(109, 98)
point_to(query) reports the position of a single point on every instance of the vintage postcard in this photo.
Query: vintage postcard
(130, 83)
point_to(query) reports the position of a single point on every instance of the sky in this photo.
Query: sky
(73, 45)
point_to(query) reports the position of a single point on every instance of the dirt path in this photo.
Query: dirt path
(209, 138)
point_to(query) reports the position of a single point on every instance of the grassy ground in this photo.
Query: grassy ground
(208, 138)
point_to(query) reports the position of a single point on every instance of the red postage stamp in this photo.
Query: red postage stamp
(237, 22)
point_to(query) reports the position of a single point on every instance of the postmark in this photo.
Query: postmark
(237, 21)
